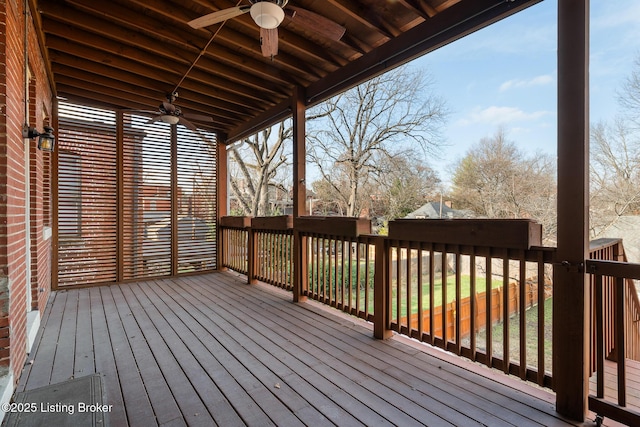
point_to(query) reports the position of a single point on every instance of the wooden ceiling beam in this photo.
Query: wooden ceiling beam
(464, 17)
(300, 47)
(173, 33)
(259, 90)
(201, 82)
(360, 14)
(176, 51)
(146, 96)
(108, 99)
(422, 8)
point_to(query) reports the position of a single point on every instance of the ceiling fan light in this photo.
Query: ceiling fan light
(267, 15)
(172, 120)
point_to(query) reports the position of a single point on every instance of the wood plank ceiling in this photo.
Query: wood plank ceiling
(129, 54)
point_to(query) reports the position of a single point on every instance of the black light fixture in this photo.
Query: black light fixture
(46, 139)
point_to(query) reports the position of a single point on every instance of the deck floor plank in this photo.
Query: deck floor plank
(269, 368)
(26, 370)
(192, 408)
(513, 400)
(136, 400)
(439, 398)
(209, 349)
(65, 349)
(348, 341)
(84, 358)
(293, 374)
(232, 377)
(162, 402)
(40, 373)
(104, 358)
(166, 320)
(369, 378)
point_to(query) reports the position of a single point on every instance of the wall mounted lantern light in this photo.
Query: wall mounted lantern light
(46, 139)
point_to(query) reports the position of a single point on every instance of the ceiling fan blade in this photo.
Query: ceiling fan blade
(198, 117)
(269, 42)
(142, 112)
(219, 16)
(186, 123)
(321, 25)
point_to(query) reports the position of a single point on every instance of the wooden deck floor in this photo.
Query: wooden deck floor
(210, 350)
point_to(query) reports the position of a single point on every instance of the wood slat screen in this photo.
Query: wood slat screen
(147, 198)
(196, 171)
(134, 204)
(87, 215)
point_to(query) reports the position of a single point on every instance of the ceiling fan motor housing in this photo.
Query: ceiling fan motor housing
(268, 15)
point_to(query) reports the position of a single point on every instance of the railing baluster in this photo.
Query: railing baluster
(541, 312)
(505, 314)
(408, 309)
(473, 300)
(619, 342)
(420, 294)
(458, 313)
(599, 335)
(432, 297)
(444, 286)
(521, 307)
(488, 314)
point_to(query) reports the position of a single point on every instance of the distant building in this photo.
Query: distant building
(435, 210)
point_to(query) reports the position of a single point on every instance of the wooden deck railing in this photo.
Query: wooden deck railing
(272, 260)
(616, 326)
(465, 288)
(478, 289)
(234, 234)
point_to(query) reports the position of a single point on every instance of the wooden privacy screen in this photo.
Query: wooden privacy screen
(134, 203)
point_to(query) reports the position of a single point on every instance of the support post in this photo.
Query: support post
(55, 204)
(381, 299)
(571, 296)
(300, 278)
(221, 197)
(174, 201)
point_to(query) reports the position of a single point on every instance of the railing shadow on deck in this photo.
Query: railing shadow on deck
(481, 289)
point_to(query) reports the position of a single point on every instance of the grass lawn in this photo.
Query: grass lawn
(531, 322)
(465, 292)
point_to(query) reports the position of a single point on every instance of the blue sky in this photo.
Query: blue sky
(506, 75)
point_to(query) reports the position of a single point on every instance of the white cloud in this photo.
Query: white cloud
(613, 15)
(500, 115)
(542, 80)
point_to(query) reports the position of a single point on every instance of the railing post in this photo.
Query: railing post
(223, 247)
(381, 298)
(252, 256)
(300, 267)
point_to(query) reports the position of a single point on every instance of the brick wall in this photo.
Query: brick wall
(14, 260)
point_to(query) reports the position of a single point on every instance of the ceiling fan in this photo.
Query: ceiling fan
(268, 15)
(170, 113)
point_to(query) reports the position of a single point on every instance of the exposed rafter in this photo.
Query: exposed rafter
(129, 54)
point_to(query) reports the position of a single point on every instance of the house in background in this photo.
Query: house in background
(435, 210)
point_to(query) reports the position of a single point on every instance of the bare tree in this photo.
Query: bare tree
(615, 160)
(256, 169)
(497, 180)
(629, 95)
(403, 186)
(382, 118)
(615, 174)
